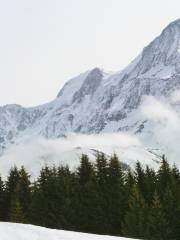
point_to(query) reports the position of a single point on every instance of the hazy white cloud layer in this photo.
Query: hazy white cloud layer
(159, 111)
(37, 152)
(165, 125)
(175, 98)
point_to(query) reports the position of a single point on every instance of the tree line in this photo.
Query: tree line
(101, 197)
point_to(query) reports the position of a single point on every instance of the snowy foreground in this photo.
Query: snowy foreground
(13, 231)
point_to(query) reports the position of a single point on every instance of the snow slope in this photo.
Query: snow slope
(12, 231)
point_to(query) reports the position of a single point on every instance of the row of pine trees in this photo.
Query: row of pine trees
(102, 198)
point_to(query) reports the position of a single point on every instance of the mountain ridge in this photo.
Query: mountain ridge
(97, 102)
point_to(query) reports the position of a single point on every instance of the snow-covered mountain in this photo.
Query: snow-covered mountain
(14, 231)
(98, 102)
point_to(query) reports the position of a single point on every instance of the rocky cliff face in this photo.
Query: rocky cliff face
(96, 102)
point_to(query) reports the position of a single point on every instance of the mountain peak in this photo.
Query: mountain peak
(96, 74)
(172, 30)
(163, 50)
(95, 71)
(90, 84)
(174, 23)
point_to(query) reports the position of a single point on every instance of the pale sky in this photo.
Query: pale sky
(44, 43)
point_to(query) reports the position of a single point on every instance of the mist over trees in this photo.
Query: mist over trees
(103, 198)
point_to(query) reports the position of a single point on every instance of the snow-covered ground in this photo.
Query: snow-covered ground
(13, 231)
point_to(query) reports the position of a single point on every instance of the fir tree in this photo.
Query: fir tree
(10, 188)
(102, 178)
(163, 176)
(16, 213)
(102, 169)
(157, 224)
(23, 192)
(140, 178)
(87, 197)
(129, 181)
(136, 216)
(86, 170)
(171, 209)
(117, 196)
(150, 184)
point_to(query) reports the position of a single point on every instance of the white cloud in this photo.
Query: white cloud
(160, 111)
(37, 152)
(164, 126)
(175, 97)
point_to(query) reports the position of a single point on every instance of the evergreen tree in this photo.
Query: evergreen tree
(136, 216)
(163, 176)
(117, 196)
(66, 190)
(175, 174)
(51, 198)
(10, 188)
(150, 184)
(23, 192)
(171, 207)
(40, 197)
(43, 192)
(16, 213)
(129, 181)
(87, 209)
(86, 170)
(102, 178)
(157, 224)
(140, 178)
(102, 169)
